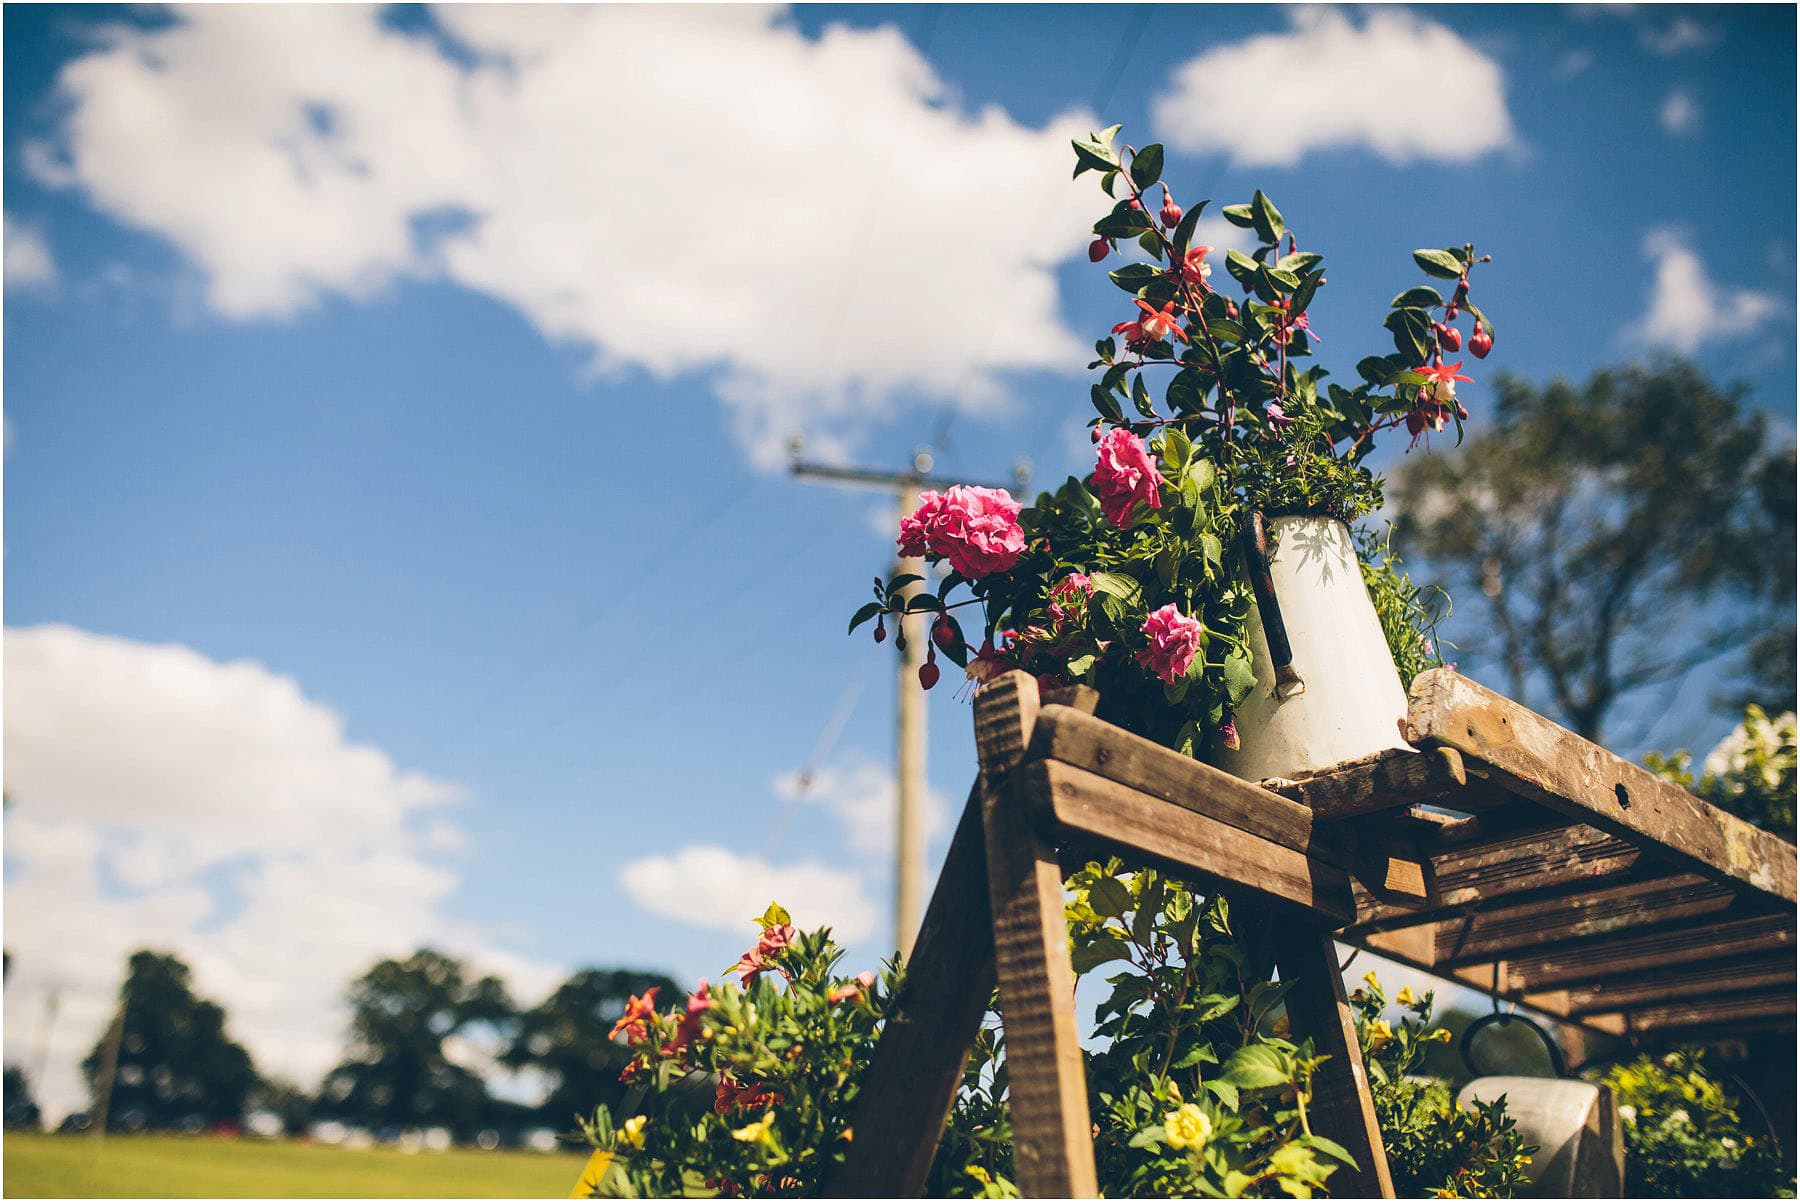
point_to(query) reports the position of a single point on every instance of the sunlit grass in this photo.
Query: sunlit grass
(76, 1166)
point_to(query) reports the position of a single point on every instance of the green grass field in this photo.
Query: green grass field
(74, 1166)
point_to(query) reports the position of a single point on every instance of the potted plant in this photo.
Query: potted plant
(1204, 576)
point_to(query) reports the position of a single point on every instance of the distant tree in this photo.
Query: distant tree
(21, 1108)
(396, 1072)
(286, 1101)
(1605, 540)
(176, 1068)
(567, 1037)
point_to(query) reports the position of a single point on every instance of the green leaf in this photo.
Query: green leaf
(864, 614)
(1303, 295)
(1238, 215)
(1481, 318)
(1440, 263)
(1151, 244)
(1150, 1136)
(1117, 584)
(1227, 1094)
(1266, 217)
(1211, 547)
(1080, 665)
(1109, 897)
(1240, 678)
(1330, 1147)
(774, 916)
(1184, 232)
(1418, 296)
(1256, 1066)
(1123, 222)
(1133, 276)
(1106, 403)
(1186, 393)
(1140, 397)
(1087, 957)
(1300, 262)
(900, 582)
(1412, 332)
(1242, 267)
(1147, 165)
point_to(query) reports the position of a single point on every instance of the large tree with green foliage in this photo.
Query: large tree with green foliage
(396, 1072)
(568, 1037)
(1603, 540)
(176, 1065)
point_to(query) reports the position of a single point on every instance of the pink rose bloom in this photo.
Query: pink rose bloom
(976, 529)
(1174, 638)
(1125, 473)
(1074, 585)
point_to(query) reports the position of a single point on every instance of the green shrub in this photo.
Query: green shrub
(1683, 1136)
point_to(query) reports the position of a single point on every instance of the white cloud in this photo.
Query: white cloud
(141, 775)
(1680, 35)
(1573, 63)
(1344, 84)
(1686, 308)
(671, 188)
(1680, 113)
(28, 261)
(710, 886)
(861, 793)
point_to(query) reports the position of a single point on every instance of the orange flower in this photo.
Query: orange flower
(638, 1013)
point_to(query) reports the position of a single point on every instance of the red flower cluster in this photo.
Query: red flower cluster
(639, 1011)
(760, 959)
(976, 529)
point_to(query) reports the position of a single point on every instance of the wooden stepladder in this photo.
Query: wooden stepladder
(1057, 787)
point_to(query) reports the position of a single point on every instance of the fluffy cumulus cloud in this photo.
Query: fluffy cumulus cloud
(29, 263)
(1346, 83)
(1687, 309)
(1676, 37)
(671, 189)
(714, 887)
(1680, 113)
(163, 799)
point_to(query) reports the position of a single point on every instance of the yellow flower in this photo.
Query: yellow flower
(1380, 1035)
(757, 1132)
(631, 1133)
(1405, 996)
(980, 1174)
(1370, 981)
(1187, 1127)
(1441, 1035)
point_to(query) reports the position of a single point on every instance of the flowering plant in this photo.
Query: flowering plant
(1133, 580)
(1194, 1085)
(1684, 1137)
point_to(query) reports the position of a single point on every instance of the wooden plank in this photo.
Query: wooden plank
(1148, 768)
(1557, 768)
(1341, 1107)
(1053, 1152)
(1388, 780)
(1715, 1012)
(1598, 914)
(1683, 983)
(1576, 966)
(912, 1079)
(1096, 810)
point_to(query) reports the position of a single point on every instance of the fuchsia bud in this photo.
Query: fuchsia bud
(1481, 342)
(881, 630)
(928, 672)
(1171, 212)
(943, 632)
(900, 634)
(1134, 204)
(1097, 433)
(1462, 292)
(1449, 337)
(1228, 734)
(1231, 310)
(1098, 249)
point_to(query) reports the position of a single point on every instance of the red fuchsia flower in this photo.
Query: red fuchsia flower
(976, 529)
(988, 663)
(1285, 325)
(1125, 474)
(1449, 337)
(929, 672)
(1159, 324)
(1442, 378)
(1174, 639)
(638, 1013)
(1228, 733)
(1193, 267)
(1171, 212)
(698, 1003)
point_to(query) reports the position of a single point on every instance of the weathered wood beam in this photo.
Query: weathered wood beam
(1588, 921)
(1532, 755)
(1627, 956)
(913, 1077)
(1092, 809)
(1714, 1012)
(1390, 780)
(1104, 750)
(1682, 983)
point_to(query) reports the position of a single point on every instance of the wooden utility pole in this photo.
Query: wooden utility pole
(909, 742)
(108, 1069)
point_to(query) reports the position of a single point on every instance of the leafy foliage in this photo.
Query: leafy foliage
(565, 1037)
(1750, 773)
(1683, 1135)
(177, 1067)
(1434, 1147)
(1195, 1086)
(1206, 415)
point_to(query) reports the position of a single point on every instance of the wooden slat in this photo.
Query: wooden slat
(1386, 781)
(1053, 1152)
(1148, 768)
(913, 1077)
(1716, 1013)
(1618, 911)
(1557, 768)
(1109, 816)
(1682, 983)
(1577, 966)
(1317, 1009)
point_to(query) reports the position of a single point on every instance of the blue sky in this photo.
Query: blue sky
(398, 546)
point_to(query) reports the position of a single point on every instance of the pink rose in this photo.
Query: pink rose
(1072, 586)
(1174, 638)
(1125, 473)
(976, 529)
